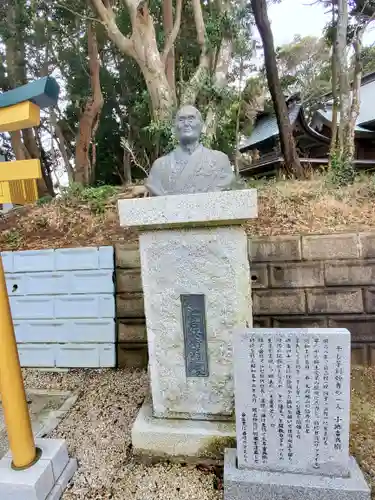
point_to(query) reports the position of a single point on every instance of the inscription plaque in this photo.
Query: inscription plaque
(195, 335)
(292, 392)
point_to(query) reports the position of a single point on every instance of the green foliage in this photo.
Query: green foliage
(44, 200)
(13, 238)
(341, 170)
(96, 198)
(368, 59)
(304, 67)
(161, 134)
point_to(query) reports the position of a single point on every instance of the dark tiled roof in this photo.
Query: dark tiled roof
(266, 127)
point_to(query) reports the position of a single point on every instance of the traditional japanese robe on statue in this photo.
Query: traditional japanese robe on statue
(202, 171)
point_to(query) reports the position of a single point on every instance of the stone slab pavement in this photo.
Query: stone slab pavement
(46, 408)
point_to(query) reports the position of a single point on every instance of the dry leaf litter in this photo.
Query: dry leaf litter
(285, 207)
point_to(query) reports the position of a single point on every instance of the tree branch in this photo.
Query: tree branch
(86, 18)
(199, 23)
(107, 16)
(173, 35)
(199, 77)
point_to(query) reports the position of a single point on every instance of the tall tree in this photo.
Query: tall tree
(142, 46)
(350, 19)
(215, 31)
(25, 143)
(292, 164)
(89, 120)
(304, 68)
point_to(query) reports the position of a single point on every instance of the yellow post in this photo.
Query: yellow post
(16, 413)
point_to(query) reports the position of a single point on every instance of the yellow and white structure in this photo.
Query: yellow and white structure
(27, 472)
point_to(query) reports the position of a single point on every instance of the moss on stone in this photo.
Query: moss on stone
(215, 446)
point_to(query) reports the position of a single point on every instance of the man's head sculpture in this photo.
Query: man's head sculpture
(191, 167)
(188, 125)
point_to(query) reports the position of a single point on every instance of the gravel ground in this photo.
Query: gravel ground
(97, 430)
(98, 427)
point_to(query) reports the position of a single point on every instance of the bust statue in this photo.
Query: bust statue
(190, 168)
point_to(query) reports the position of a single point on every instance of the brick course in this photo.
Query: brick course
(367, 245)
(297, 275)
(331, 246)
(275, 249)
(268, 302)
(334, 300)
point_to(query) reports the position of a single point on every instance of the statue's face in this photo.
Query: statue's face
(188, 125)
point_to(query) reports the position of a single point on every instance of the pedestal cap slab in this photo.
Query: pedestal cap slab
(200, 209)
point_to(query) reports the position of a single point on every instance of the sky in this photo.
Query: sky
(301, 17)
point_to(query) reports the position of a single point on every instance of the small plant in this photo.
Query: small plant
(13, 238)
(41, 222)
(95, 197)
(44, 200)
(98, 197)
(341, 171)
(73, 191)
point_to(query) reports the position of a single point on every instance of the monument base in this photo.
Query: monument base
(45, 480)
(240, 484)
(188, 441)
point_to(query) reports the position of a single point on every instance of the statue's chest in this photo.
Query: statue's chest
(180, 164)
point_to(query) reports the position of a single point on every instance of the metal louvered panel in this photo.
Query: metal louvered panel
(4, 193)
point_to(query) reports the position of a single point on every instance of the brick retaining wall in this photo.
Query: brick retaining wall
(313, 281)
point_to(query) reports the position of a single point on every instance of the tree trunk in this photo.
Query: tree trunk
(127, 168)
(18, 146)
(16, 66)
(62, 145)
(45, 184)
(355, 105)
(170, 57)
(90, 116)
(46, 166)
(291, 160)
(240, 99)
(220, 81)
(152, 66)
(196, 82)
(202, 72)
(141, 46)
(335, 99)
(343, 73)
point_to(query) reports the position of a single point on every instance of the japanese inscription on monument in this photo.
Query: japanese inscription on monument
(292, 400)
(195, 335)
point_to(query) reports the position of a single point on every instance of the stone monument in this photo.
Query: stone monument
(292, 393)
(196, 283)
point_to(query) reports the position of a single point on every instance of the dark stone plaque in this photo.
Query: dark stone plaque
(195, 335)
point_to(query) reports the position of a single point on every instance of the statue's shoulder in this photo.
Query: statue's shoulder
(218, 155)
(160, 162)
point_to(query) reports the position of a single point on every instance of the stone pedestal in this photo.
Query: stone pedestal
(45, 480)
(197, 288)
(246, 484)
(292, 391)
